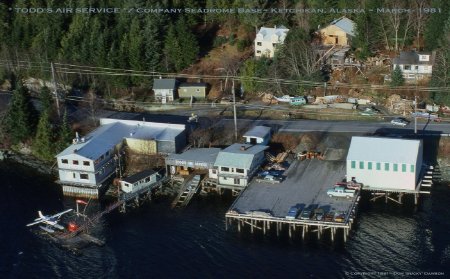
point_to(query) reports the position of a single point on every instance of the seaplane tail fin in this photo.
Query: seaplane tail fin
(40, 214)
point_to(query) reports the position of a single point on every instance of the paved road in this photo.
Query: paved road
(345, 126)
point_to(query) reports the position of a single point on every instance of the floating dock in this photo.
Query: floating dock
(264, 206)
(187, 191)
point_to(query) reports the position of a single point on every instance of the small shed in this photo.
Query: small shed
(258, 135)
(138, 181)
(196, 90)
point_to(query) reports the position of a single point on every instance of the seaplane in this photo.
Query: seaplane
(51, 221)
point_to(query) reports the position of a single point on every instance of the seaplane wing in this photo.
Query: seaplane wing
(36, 222)
(61, 213)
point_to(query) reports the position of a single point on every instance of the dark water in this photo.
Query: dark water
(156, 242)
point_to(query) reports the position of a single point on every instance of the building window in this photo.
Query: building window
(353, 164)
(274, 45)
(417, 67)
(197, 90)
(403, 167)
(369, 165)
(259, 44)
(386, 166)
(84, 176)
(236, 181)
(102, 157)
(74, 176)
(147, 180)
(107, 153)
(64, 161)
(378, 166)
(395, 167)
(258, 51)
(407, 67)
(213, 171)
(240, 170)
(361, 165)
(75, 162)
(412, 168)
(86, 163)
(225, 169)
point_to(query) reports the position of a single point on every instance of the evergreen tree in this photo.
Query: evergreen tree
(187, 42)
(43, 142)
(46, 100)
(433, 28)
(397, 78)
(135, 49)
(65, 134)
(20, 119)
(172, 50)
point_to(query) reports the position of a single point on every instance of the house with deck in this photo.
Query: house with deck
(238, 163)
(87, 166)
(268, 39)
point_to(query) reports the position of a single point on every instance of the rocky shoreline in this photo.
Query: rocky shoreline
(28, 160)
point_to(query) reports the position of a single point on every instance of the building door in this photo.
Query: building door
(336, 40)
(236, 181)
(252, 140)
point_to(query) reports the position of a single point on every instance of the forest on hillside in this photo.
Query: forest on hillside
(171, 42)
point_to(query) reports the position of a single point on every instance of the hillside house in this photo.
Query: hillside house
(268, 39)
(415, 65)
(196, 90)
(165, 89)
(338, 33)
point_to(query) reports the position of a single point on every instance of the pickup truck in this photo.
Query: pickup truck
(340, 192)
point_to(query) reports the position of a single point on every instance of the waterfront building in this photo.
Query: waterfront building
(86, 167)
(199, 160)
(385, 163)
(258, 135)
(138, 181)
(238, 163)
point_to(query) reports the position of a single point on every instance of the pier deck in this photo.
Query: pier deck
(305, 185)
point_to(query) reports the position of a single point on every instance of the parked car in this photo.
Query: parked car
(318, 214)
(293, 212)
(399, 122)
(270, 179)
(329, 216)
(306, 213)
(341, 192)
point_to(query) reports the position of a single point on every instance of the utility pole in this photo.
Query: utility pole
(415, 114)
(234, 111)
(55, 91)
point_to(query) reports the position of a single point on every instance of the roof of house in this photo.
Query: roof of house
(347, 25)
(192, 84)
(164, 83)
(206, 155)
(267, 33)
(238, 155)
(113, 131)
(389, 150)
(412, 57)
(138, 176)
(258, 132)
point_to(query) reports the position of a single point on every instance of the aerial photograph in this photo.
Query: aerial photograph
(225, 139)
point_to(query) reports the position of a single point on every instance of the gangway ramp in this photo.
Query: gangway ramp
(188, 189)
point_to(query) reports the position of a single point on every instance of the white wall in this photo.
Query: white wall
(382, 178)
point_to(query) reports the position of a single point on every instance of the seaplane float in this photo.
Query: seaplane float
(50, 221)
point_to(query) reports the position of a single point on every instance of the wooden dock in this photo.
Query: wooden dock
(188, 189)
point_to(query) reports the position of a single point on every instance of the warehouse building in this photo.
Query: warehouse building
(385, 163)
(200, 160)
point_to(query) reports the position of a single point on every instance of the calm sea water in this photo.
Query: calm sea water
(154, 241)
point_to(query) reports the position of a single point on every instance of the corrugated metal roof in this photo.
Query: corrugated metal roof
(207, 155)
(138, 176)
(258, 132)
(389, 150)
(113, 131)
(346, 24)
(267, 33)
(164, 83)
(238, 155)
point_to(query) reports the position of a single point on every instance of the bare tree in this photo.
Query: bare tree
(420, 18)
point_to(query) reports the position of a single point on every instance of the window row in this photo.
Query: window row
(84, 176)
(75, 162)
(385, 166)
(226, 169)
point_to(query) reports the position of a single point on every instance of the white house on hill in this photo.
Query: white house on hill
(415, 65)
(385, 163)
(268, 39)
